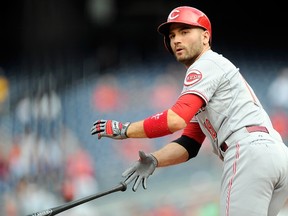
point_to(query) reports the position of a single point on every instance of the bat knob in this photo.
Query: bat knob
(123, 186)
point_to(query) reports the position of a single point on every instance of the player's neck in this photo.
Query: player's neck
(188, 64)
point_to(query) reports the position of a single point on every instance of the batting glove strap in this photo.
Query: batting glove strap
(123, 131)
(154, 160)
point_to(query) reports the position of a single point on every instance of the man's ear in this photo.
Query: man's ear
(206, 36)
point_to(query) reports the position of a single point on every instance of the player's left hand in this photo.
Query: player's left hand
(140, 170)
(110, 128)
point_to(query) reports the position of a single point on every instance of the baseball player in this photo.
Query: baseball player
(216, 102)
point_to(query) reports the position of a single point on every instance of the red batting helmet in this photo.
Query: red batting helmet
(187, 15)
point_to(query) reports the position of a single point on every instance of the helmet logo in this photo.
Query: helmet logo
(174, 14)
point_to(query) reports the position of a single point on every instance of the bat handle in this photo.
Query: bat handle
(48, 212)
(122, 186)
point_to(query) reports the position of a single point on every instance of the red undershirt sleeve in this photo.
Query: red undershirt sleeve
(192, 137)
(194, 131)
(187, 106)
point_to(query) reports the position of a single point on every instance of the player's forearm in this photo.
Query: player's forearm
(171, 154)
(173, 123)
(136, 130)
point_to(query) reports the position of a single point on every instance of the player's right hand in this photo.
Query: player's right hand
(110, 128)
(140, 170)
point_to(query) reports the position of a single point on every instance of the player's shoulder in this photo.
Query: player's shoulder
(213, 64)
(213, 55)
(217, 59)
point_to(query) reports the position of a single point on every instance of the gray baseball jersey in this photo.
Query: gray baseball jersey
(230, 102)
(255, 169)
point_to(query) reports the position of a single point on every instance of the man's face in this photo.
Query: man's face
(187, 42)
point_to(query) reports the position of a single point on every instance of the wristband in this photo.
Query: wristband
(157, 125)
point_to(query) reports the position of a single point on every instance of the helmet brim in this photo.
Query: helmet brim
(164, 28)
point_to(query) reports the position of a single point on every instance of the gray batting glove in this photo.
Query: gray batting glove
(110, 128)
(140, 170)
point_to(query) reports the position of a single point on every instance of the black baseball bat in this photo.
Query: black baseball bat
(53, 211)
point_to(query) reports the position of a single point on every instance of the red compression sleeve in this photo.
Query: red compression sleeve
(194, 131)
(157, 125)
(187, 106)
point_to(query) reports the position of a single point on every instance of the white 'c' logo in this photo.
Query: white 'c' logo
(171, 16)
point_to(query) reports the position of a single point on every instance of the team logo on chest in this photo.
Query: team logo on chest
(192, 77)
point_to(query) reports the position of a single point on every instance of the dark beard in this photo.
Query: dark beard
(186, 60)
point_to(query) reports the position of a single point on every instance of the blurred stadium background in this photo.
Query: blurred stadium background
(64, 64)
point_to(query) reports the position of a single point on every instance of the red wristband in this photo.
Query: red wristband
(157, 125)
